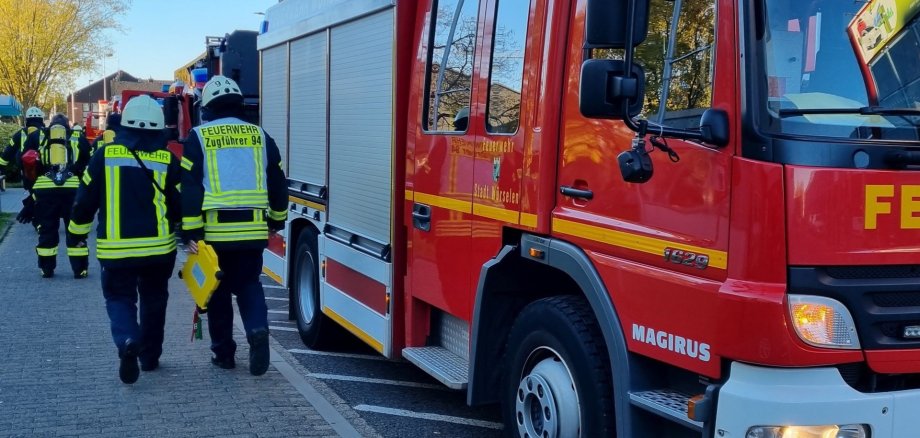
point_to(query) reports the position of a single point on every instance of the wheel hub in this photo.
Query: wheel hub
(546, 405)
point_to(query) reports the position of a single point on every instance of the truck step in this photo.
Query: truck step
(447, 367)
(666, 403)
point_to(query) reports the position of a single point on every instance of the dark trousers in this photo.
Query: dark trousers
(241, 269)
(51, 207)
(121, 287)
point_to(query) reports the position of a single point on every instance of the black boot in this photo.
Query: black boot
(227, 363)
(258, 352)
(128, 370)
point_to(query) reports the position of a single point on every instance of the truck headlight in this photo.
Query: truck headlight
(822, 322)
(829, 431)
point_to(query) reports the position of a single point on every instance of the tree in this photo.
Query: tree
(45, 44)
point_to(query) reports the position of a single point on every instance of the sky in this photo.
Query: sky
(159, 36)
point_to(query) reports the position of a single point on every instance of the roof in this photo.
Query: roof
(93, 92)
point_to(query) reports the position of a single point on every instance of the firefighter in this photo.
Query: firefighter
(112, 125)
(60, 165)
(233, 195)
(133, 184)
(12, 154)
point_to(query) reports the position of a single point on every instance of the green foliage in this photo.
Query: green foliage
(6, 131)
(45, 44)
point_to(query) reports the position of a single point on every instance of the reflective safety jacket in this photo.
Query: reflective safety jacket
(17, 145)
(62, 161)
(233, 185)
(135, 220)
(107, 137)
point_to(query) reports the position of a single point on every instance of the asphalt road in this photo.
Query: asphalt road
(394, 397)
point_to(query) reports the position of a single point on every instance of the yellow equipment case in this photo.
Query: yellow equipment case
(201, 274)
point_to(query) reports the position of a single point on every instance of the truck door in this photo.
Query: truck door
(660, 247)
(442, 180)
(500, 128)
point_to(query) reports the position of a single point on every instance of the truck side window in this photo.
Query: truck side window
(685, 80)
(451, 46)
(506, 76)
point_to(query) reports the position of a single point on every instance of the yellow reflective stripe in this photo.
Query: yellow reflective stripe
(76, 228)
(213, 178)
(529, 220)
(104, 253)
(117, 206)
(44, 183)
(3, 162)
(86, 178)
(159, 203)
(139, 242)
(186, 163)
(277, 215)
(235, 236)
(76, 252)
(192, 223)
(257, 157)
(110, 202)
(46, 252)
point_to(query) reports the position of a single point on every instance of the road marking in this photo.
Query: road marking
(269, 286)
(276, 298)
(285, 322)
(280, 312)
(334, 354)
(283, 329)
(427, 416)
(376, 381)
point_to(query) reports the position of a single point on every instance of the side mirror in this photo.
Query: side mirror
(606, 23)
(714, 128)
(605, 86)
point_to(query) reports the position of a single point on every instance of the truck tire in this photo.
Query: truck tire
(556, 382)
(313, 325)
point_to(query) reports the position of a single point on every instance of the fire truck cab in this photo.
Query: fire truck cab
(658, 218)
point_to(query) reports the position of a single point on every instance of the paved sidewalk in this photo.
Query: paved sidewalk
(58, 374)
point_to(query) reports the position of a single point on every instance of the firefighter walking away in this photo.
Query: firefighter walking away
(132, 183)
(61, 162)
(13, 155)
(233, 194)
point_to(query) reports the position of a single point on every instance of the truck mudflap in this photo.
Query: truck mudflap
(760, 396)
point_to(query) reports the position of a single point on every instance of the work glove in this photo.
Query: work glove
(27, 213)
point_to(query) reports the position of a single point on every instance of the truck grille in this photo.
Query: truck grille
(882, 299)
(873, 272)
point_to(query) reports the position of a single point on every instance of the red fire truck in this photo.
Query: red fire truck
(658, 218)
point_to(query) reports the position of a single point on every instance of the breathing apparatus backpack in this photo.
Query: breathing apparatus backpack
(57, 156)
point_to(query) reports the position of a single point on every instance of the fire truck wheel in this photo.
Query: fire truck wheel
(311, 322)
(557, 376)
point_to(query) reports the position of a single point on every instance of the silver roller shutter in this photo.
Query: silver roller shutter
(361, 117)
(308, 109)
(275, 96)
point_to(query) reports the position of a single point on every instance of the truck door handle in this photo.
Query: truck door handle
(576, 193)
(421, 216)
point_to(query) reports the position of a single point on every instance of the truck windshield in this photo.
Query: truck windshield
(842, 68)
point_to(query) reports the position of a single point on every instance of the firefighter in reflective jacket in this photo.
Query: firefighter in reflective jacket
(61, 163)
(112, 125)
(133, 183)
(12, 154)
(233, 195)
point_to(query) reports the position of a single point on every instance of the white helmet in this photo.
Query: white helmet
(77, 128)
(142, 112)
(34, 113)
(219, 86)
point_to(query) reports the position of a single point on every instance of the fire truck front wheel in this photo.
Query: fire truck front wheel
(557, 378)
(311, 322)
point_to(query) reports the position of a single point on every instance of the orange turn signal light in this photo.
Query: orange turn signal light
(536, 253)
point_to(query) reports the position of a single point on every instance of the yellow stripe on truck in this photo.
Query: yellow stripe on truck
(375, 344)
(650, 245)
